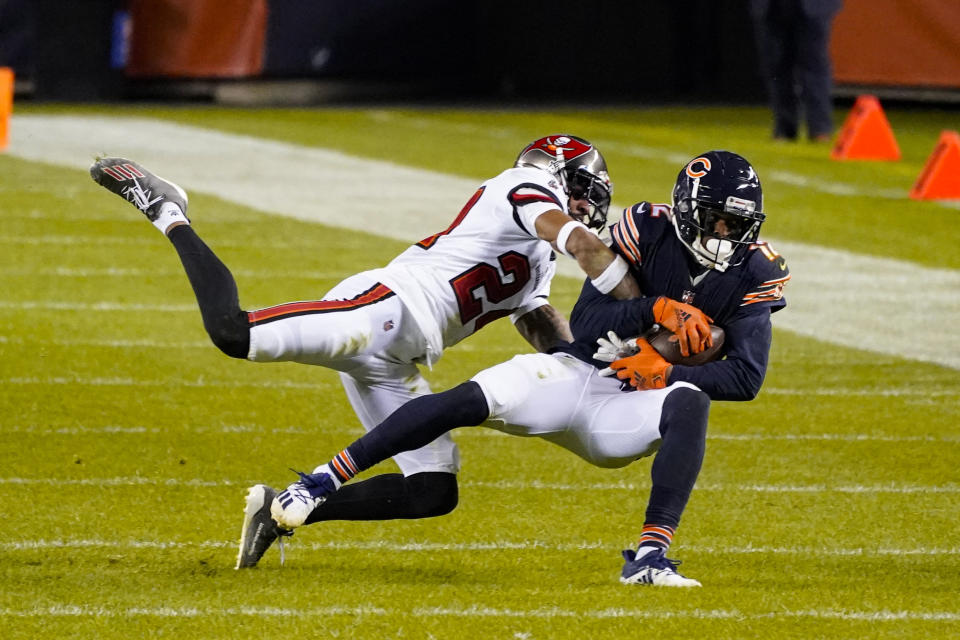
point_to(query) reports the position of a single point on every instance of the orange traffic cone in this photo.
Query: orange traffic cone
(940, 178)
(6, 105)
(866, 134)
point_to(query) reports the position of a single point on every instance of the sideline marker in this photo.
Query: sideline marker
(940, 178)
(866, 134)
(6, 105)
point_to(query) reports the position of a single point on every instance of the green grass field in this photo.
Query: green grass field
(827, 508)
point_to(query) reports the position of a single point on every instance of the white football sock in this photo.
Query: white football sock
(169, 214)
(325, 468)
(644, 550)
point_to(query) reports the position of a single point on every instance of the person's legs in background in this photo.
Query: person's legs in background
(776, 52)
(814, 71)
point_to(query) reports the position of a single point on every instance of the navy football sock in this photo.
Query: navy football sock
(415, 424)
(683, 427)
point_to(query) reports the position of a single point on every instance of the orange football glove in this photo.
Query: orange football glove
(689, 324)
(644, 370)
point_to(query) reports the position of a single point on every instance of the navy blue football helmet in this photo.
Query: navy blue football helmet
(718, 208)
(579, 167)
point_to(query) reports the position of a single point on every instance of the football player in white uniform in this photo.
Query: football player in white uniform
(495, 259)
(703, 250)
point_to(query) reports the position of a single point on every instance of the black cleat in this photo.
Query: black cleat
(132, 182)
(259, 529)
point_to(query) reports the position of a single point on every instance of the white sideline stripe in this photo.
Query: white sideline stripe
(471, 547)
(280, 178)
(136, 382)
(273, 176)
(476, 611)
(890, 488)
(466, 432)
(826, 281)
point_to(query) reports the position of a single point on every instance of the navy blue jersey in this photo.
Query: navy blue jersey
(740, 300)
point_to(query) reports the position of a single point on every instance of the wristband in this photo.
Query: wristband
(611, 276)
(564, 234)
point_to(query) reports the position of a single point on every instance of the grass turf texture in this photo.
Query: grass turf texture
(826, 508)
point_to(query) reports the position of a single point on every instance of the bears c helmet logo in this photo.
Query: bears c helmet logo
(698, 173)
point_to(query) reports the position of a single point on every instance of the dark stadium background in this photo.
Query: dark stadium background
(321, 51)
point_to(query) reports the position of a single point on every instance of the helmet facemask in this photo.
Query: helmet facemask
(583, 185)
(713, 247)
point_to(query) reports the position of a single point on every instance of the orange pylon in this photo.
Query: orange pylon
(6, 105)
(866, 134)
(940, 178)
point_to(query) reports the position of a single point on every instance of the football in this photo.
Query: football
(665, 342)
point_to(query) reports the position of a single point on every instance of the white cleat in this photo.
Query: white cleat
(655, 569)
(291, 507)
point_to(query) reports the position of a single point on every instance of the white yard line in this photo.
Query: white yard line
(473, 547)
(886, 392)
(155, 272)
(890, 488)
(156, 384)
(144, 343)
(530, 485)
(475, 611)
(97, 242)
(856, 438)
(205, 345)
(835, 296)
(55, 305)
(240, 429)
(830, 437)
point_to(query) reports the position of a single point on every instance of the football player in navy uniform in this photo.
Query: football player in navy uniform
(697, 261)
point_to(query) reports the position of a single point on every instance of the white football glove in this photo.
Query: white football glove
(612, 349)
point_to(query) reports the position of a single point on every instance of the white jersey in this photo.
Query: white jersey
(375, 327)
(487, 264)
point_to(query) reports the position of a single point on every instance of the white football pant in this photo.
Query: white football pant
(562, 399)
(373, 345)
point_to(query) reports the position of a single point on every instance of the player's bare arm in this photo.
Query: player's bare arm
(594, 257)
(543, 327)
